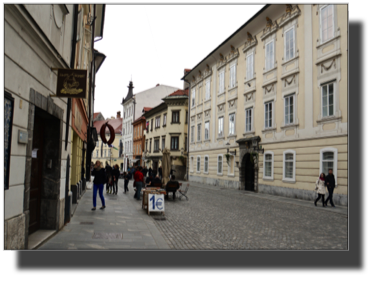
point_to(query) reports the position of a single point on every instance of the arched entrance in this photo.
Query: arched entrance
(249, 173)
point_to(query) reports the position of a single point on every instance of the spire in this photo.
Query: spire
(130, 92)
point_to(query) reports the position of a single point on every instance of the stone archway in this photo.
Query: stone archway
(246, 147)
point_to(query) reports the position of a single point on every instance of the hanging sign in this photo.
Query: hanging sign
(71, 83)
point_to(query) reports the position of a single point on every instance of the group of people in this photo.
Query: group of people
(321, 184)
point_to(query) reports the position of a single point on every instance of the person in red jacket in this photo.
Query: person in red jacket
(139, 177)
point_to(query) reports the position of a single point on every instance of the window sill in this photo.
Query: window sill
(219, 174)
(290, 60)
(290, 126)
(268, 178)
(175, 123)
(232, 136)
(270, 70)
(289, 181)
(206, 140)
(328, 119)
(205, 172)
(269, 129)
(249, 133)
(231, 175)
(220, 138)
(328, 41)
(221, 93)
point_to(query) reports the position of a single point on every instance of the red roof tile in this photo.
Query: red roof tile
(139, 119)
(146, 109)
(180, 92)
(96, 114)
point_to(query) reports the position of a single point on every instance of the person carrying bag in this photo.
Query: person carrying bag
(320, 188)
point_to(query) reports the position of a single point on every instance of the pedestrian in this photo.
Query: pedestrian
(160, 171)
(99, 174)
(109, 178)
(115, 176)
(127, 177)
(145, 171)
(172, 186)
(330, 183)
(321, 189)
(150, 171)
(138, 177)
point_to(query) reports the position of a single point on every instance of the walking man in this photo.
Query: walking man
(330, 183)
(139, 182)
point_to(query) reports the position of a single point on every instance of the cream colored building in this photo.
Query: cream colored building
(166, 127)
(279, 83)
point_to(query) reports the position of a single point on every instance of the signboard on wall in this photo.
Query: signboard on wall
(71, 83)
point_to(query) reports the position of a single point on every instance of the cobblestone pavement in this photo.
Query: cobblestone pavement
(216, 218)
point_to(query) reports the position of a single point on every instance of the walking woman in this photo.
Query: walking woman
(321, 189)
(115, 175)
(99, 175)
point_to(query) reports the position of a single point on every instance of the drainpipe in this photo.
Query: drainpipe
(188, 132)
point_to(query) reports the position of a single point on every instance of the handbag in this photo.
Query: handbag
(316, 187)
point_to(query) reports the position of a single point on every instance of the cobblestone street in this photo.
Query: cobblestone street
(216, 218)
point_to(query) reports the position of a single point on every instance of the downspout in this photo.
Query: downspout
(72, 63)
(188, 132)
(90, 98)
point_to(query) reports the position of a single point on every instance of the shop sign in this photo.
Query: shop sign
(71, 83)
(156, 203)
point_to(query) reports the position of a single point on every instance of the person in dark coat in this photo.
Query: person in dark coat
(115, 178)
(127, 176)
(99, 174)
(150, 170)
(173, 184)
(109, 178)
(149, 180)
(160, 171)
(330, 183)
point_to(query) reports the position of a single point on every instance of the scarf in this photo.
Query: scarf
(322, 178)
(98, 168)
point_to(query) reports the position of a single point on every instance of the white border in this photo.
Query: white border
(294, 166)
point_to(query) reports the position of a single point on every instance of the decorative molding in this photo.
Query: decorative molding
(327, 68)
(250, 43)
(221, 62)
(221, 107)
(269, 29)
(291, 12)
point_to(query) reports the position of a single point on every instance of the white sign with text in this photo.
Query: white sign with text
(156, 203)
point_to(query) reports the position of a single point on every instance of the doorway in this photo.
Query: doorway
(36, 175)
(249, 173)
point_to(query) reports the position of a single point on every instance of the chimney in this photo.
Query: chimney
(158, 84)
(118, 114)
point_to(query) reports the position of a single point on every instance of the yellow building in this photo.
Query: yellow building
(105, 153)
(279, 83)
(166, 127)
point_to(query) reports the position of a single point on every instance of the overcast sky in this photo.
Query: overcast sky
(155, 43)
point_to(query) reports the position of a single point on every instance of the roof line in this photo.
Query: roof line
(155, 87)
(239, 29)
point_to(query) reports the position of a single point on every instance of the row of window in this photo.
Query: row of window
(328, 160)
(328, 108)
(326, 33)
(174, 144)
(104, 154)
(157, 120)
(128, 112)
(127, 129)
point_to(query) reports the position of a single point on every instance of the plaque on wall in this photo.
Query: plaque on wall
(8, 122)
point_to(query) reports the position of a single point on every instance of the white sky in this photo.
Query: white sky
(155, 43)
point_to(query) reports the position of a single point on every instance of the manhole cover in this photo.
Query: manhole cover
(105, 235)
(87, 223)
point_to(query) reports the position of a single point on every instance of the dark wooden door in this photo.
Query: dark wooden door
(36, 176)
(249, 174)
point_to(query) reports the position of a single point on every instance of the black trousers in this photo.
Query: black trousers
(115, 186)
(323, 199)
(330, 197)
(126, 182)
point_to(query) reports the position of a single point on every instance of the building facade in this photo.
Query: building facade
(268, 108)
(138, 140)
(166, 127)
(133, 106)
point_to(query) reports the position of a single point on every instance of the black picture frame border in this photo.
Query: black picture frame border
(9, 97)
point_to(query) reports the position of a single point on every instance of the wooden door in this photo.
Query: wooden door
(249, 174)
(36, 176)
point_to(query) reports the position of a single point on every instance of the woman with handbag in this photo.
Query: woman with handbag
(320, 188)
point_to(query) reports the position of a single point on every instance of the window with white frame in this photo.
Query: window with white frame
(208, 92)
(268, 165)
(220, 164)
(221, 81)
(164, 121)
(289, 109)
(289, 44)
(163, 143)
(289, 165)
(329, 160)
(192, 164)
(231, 124)
(205, 167)
(233, 75)
(268, 114)
(327, 22)
(192, 134)
(328, 99)
(221, 126)
(207, 129)
(248, 119)
(198, 164)
(269, 55)
(156, 145)
(249, 66)
(158, 121)
(193, 97)
(199, 132)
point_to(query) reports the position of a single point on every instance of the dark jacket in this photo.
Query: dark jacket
(128, 176)
(116, 173)
(100, 176)
(330, 181)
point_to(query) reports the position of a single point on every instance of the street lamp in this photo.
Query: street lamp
(228, 149)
